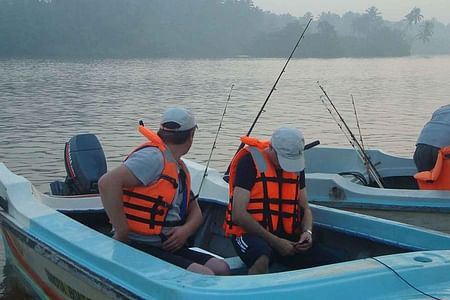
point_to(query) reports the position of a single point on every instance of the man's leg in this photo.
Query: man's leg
(197, 268)
(261, 266)
(187, 259)
(313, 257)
(204, 263)
(254, 251)
(218, 266)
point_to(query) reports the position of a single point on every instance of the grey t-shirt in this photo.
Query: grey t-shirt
(147, 165)
(437, 131)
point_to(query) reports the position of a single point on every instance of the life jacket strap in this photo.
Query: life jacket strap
(154, 222)
(267, 219)
(153, 211)
(172, 180)
(276, 179)
(274, 201)
(158, 200)
(282, 214)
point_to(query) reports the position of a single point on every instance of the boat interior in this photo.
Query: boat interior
(342, 246)
(395, 172)
(87, 161)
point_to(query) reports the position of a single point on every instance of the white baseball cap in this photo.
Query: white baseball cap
(181, 116)
(289, 144)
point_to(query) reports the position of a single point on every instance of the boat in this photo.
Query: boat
(338, 178)
(65, 253)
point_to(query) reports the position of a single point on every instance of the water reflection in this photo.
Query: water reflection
(45, 102)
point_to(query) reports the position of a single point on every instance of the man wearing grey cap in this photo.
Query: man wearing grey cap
(268, 216)
(149, 201)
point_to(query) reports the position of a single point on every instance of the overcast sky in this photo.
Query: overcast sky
(393, 10)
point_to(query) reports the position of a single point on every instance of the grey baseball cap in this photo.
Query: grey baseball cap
(180, 116)
(289, 145)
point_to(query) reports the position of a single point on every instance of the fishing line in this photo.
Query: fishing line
(215, 140)
(273, 89)
(357, 175)
(357, 122)
(353, 141)
(335, 120)
(404, 280)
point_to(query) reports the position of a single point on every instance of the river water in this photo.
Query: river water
(45, 102)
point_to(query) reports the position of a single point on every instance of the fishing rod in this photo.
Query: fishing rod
(357, 122)
(353, 141)
(214, 143)
(366, 164)
(273, 89)
(358, 175)
(359, 130)
(334, 118)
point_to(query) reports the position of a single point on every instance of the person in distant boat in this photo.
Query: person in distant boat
(434, 135)
(268, 216)
(149, 201)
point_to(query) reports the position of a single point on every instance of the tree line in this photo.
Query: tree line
(192, 29)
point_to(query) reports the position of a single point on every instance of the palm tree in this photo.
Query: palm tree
(414, 16)
(368, 22)
(374, 14)
(426, 31)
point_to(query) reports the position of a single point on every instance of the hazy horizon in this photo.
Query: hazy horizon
(391, 10)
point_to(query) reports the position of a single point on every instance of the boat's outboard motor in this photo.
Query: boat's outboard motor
(85, 163)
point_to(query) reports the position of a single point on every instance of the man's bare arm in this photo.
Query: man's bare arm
(242, 218)
(305, 241)
(110, 186)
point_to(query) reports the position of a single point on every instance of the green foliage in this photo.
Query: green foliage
(127, 28)
(426, 31)
(190, 29)
(414, 16)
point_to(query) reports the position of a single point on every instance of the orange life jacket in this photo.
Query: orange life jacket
(146, 207)
(273, 199)
(439, 177)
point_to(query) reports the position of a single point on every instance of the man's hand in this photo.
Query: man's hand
(284, 247)
(176, 238)
(304, 243)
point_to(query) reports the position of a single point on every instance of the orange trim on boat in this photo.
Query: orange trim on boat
(41, 283)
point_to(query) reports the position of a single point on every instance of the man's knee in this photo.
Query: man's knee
(198, 268)
(218, 266)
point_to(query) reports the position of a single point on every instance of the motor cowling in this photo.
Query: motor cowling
(85, 163)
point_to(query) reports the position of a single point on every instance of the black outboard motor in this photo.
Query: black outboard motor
(85, 163)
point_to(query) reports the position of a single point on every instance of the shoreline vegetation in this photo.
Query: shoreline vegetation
(205, 29)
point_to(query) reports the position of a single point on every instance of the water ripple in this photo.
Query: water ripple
(45, 102)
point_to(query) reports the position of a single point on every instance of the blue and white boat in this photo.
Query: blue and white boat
(67, 253)
(338, 178)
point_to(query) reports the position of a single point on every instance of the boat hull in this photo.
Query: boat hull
(337, 178)
(52, 275)
(431, 220)
(64, 259)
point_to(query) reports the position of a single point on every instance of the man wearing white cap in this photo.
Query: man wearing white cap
(268, 216)
(149, 201)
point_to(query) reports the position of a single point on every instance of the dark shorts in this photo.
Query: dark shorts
(250, 247)
(182, 258)
(425, 157)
